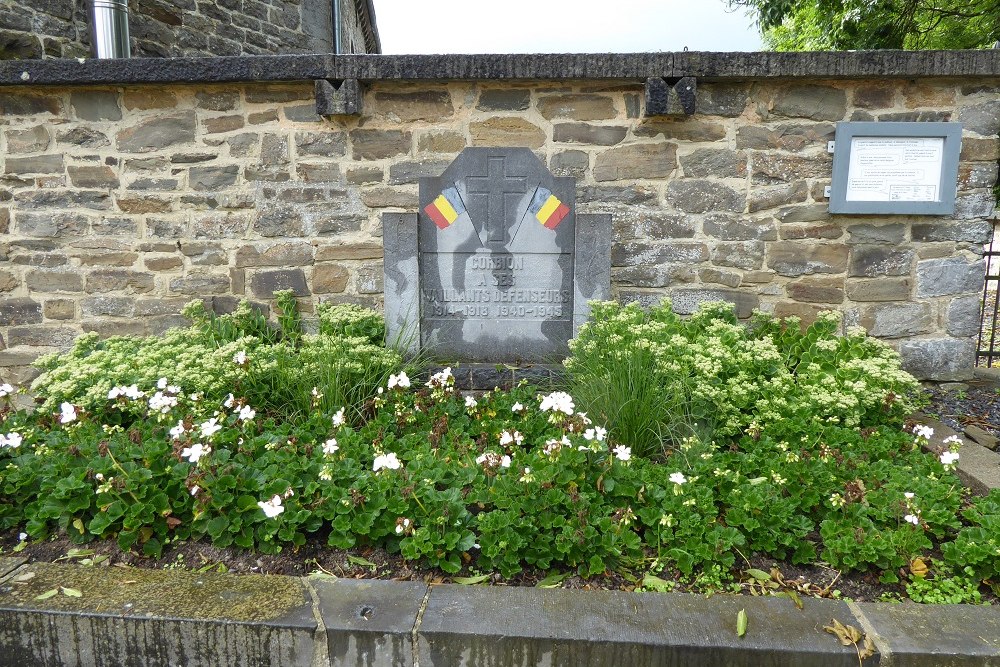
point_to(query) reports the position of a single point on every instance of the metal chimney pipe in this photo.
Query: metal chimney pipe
(109, 29)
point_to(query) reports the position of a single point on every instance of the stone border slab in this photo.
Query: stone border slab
(634, 66)
(978, 467)
(8, 565)
(177, 617)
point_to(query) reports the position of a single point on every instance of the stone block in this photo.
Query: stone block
(32, 140)
(586, 133)
(329, 278)
(873, 97)
(940, 359)
(687, 129)
(302, 113)
(605, 195)
(157, 132)
(807, 313)
(625, 630)
(411, 171)
(763, 198)
(504, 100)
(898, 320)
(686, 300)
(212, 177)
(319, 172)
(728, 100)
(219, 225)
(654, 226)
(264, 284)
(804, 213)
(200, 284)
(817, 290)
(386, 197)
(570, 163)
(440, 141)
(789, 258)
(8, 281)
(279, 221)
(880, 289)
(974, 205)
(369, 279)
(59, 198)
(810, 101)
(369, 144)
(728, 227)
(658, 275)
(369, 622)
(577, 107)
(869, 233)
(827, 232)
(701, 196)
(963, 316)
(42, 336)
(344, 98)
(746, 255)
(506, 131)
(41, 164)
(714, 162)
(52, 224)
(350, 251)
(217, 100)
(168, 617)
(408, 107)
(976, 176)
(59, 309)
(93, 176)
(640, 253)
(950, 275)
(868, 261)
(982, 118)
(118, 280)
(142, 204)
(281, 254)
(975, 149)
(915, 117)
(716, 276)
(768, 168)
(96, 105)
(274, 149)
(223, 124)
(54, 280)
(28, 104)
(665, 98)
(19, 310)
(108, 306)
(325, 144)
(792, 137)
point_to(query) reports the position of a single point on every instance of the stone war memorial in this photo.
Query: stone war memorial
(497, 266)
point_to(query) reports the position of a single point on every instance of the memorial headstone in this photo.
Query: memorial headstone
(497, 266)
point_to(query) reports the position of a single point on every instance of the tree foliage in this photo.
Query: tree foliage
(812, 25)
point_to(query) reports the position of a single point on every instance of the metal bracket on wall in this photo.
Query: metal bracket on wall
(670, 97)
(338, 98)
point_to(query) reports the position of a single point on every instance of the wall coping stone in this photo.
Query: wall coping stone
(705, 65)
(355, 622)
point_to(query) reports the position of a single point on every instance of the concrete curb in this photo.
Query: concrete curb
(153, 617)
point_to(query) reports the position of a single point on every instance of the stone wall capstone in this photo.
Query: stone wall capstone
(118, 204)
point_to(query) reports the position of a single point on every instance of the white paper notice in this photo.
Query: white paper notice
(895, 169)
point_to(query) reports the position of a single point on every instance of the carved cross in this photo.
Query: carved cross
(501, 192)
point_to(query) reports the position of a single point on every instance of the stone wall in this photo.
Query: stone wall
(120, 204)
(172, 28)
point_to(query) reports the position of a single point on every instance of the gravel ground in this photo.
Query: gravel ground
(962, 404)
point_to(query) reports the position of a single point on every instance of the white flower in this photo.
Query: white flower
(678, 478)
(210, 428)
(949, 458)
(953, 440)
(597, 433)
(402, 525)
(161, 383)
(470, 402)
(517, 407)
(195, 490)
(6, 390)
(131, 392)
(911, 518)
(552, 447)
(908, 495)
(240, 358)
(442, 379)
(330, 446)
(21, 537)
(922, 431)
(12, 440)
(177, 431)
(402, 381)
(557, 401)
(160, 402)
(510, 438)
(272, 507)
(195, 452)
(338, 418)
(67, 413)
(504, 461)
(623, 453)
(493, 460)
(388, 461)
(229, 402)
(246, 413)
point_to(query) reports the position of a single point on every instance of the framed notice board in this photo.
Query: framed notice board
(895, 168)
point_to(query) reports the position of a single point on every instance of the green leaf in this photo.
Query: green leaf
(47, 594)
(358, 560)
(795, 598)
(78, 524)
(759, 575)
(553, 580)
(71, 592)
(657, 584)
(471, 581)
(741, 623)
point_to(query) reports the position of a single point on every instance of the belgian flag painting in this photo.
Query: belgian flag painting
(446, 208)
(547, 208)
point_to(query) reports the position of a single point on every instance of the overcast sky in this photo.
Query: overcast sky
(561, 26)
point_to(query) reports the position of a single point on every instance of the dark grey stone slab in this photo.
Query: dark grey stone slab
(370, 622)
(592, 268)
(936, 635)
(496, 280)
(343, 98)
(632, 66)
(402, 280)
(515, 626)
(8, 565)
(148, 618)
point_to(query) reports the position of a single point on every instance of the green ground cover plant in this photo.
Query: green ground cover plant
(744, 439)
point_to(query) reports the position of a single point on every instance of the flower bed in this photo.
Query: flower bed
(711, 442)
